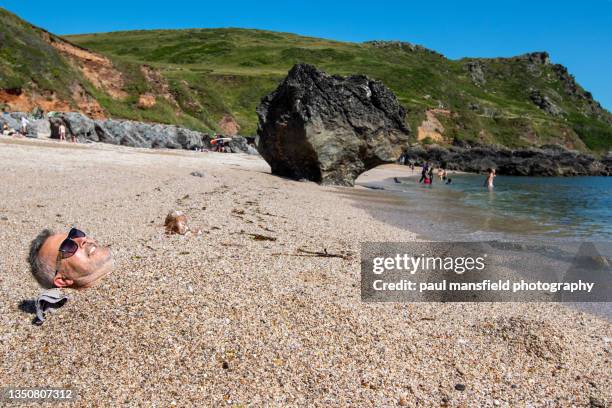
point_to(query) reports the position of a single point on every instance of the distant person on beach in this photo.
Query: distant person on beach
(70, 259)
(489, 179)
(62, 132)
(430, 175)
(24, 125)
(6, 131)
(440, 174)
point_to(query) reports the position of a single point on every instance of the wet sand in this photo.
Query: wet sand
(223, 319)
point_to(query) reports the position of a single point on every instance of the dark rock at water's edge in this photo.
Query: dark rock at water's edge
(329, 129)
(544, 161)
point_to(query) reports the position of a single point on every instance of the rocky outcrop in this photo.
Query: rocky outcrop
(40, 127)
(239, 144)
(475, 69)
(329, 129)
(76, 124)
(127, 133)
(13, 120)
(590, 106)
(545, 103)
(536, 58)
(543, 161)
(402, 45)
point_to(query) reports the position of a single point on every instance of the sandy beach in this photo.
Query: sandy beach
(243, 315)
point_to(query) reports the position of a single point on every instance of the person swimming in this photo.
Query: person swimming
(489, 180)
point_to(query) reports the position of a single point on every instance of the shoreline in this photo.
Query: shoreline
(386, 172)
(235, 320)
(547, 208)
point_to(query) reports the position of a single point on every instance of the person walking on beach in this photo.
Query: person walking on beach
(431, 175)
(62, 132)
(489, 179)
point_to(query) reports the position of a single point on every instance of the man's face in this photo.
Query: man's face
(85, 268)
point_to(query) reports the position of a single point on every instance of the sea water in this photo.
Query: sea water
(518, 208)
(532, 211)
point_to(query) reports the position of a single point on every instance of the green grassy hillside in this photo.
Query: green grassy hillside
(26, 59)
(206, 74)
(228, 70)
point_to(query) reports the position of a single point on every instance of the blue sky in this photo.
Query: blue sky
(577, 34)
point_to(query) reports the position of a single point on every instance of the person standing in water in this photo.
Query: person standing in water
(490, 177)
(424, 172)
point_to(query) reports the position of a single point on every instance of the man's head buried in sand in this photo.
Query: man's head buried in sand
(70, 259)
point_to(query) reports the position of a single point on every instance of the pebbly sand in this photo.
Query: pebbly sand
(223, 319)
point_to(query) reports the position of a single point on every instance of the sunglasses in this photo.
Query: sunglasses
(69, 247)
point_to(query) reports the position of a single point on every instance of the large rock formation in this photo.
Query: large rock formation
(239, 144)
(544, 161)
(329, 129)
(127, 133)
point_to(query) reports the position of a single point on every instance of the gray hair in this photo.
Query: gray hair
(42, 271)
